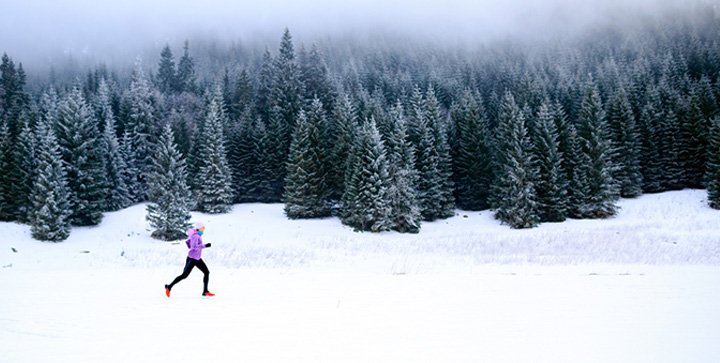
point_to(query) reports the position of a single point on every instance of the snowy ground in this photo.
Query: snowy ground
(641, 287)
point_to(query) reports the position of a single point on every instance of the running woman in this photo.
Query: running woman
(196, 245)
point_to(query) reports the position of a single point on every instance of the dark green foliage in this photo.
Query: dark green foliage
(594, 142)
(342, 134)
(6, 183)
(626, 145)
(365, 202)
(185, 76)
(513, 194)
(166, 79)
(314, 77)
(306, 191)
(50, 218)
(117, 194)
(264, 100)
(405, 211)
(438, 122)
(80, 147)
(473, 173)
(25, 157)
(141, 126)
(169, 195)
(214, 192)
(551, 185)
(713, 164)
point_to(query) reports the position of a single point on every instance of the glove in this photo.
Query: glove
(208, 244)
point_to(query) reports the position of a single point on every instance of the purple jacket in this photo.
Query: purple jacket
(196, 245)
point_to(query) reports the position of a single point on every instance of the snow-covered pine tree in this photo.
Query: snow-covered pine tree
(437, 121)
(427, 163)
(551, 185)
(713, 164)
(185, 75)
(365, 202)
(669, 147)
(595, 144)
(693, 133)
(118, 196)
(27, 167)
(263, 191)
(287, 91)
(79, 142)
(242, 159)
(405, 211)
(129, 174)
(277, 153)
(6, 182)
(214, 191)
(314, 77)
(306, 191)
(264, 97)
(473, 158)
(50, 219)
(513, 192)
(242, 95)
(650, 164)
(169, 195)
(166, 79)
(342, 134)
(141, 124)
(626, 145)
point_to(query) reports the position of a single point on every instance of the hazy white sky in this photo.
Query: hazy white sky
(29, 28)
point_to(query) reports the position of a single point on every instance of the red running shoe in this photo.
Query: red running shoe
(208, 293)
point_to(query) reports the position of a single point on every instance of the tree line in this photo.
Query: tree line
(383, 137)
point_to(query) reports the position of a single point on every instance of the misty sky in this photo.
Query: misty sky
(39, 30)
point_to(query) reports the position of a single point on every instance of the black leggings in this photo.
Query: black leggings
(189, 264)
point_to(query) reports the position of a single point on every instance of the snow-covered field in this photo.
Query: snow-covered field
(641, 287)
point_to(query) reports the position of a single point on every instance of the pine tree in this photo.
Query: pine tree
(80, 148)
(25, 155)
(166, 79)
(13, 99)
(650, 165)
(264, 98)
(366, 201)
(243, 95)
(118, 196)
(276, 156)
(693, 133)
(669, 149)
(287, 88)
(314, 77)
(513, 194)
(141, 125)
(243, 161)
(342, 135)
(405, 211)
(427, 164)
(473, 158)
(130, 172)
(306, 191)
(626, 145)
(186, 72)
(6, 182)
(50, 220)
(442, 148)
(595, 144)
(713, 164)
(551, 185)
(169, 195)
(214, 193)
